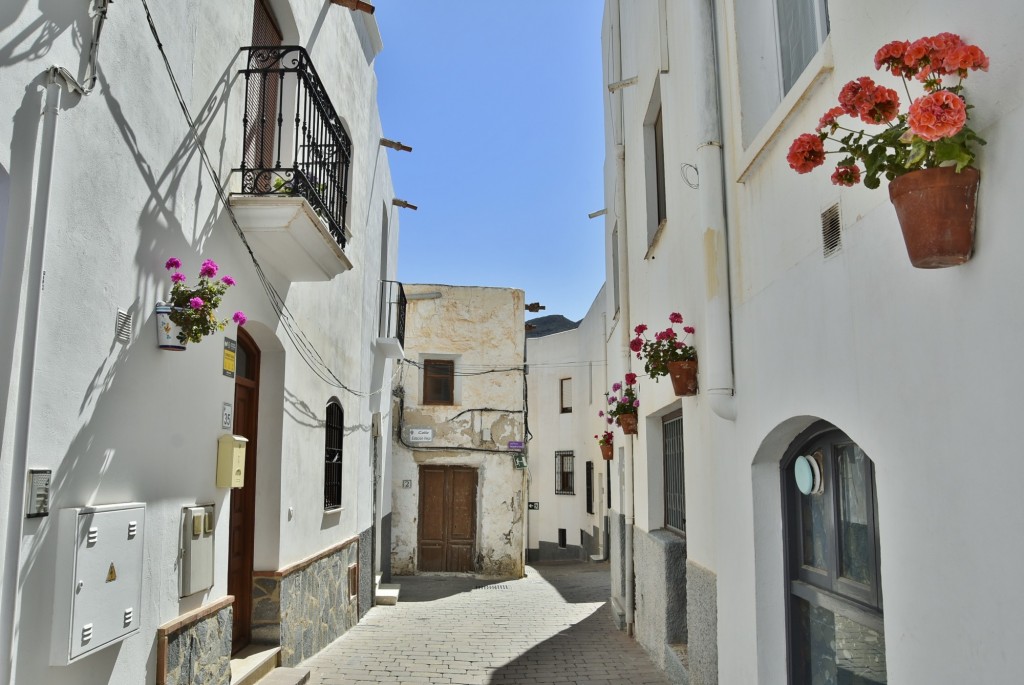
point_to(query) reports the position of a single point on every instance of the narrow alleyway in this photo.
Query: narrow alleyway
(554, 626)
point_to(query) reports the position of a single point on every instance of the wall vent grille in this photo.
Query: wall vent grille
(831, 231)
(123, 327)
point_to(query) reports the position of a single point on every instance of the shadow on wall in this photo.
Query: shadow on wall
(35, 40)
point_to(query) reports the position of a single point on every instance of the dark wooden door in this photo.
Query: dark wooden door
(263, 94)
(243, 500)
(447, 526)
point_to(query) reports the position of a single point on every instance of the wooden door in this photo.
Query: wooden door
(243, 500)
(263, 94)
(447, 525)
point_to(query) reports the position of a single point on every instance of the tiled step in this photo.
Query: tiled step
(286, 676)
(387, 594)
(252, 663)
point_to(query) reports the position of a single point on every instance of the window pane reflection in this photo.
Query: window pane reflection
(813, 520)
(854, 557)
(837, 650)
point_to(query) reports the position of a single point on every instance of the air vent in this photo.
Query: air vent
(499, 586)
(129, 614)
(133, 529)
(123, 328)
(831, 231)
(86, 632)
(93, 536)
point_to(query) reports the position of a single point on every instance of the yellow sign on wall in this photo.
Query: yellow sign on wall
(230, 346)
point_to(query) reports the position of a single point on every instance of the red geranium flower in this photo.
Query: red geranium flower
(938, 115)
(806, 153)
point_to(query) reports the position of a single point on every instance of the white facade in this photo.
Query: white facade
(566, 383)
(480, 331)
(919, 368)
(97, 191)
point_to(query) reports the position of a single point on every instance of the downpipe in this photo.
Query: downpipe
(718, 345)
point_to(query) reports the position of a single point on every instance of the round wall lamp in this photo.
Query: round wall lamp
(807, 471)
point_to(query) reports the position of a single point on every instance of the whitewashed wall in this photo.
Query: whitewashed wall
(578, 354)
(128, 422)
(919, 367)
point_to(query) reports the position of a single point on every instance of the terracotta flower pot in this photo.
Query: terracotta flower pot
(607, 452)
(684, 377)
(628, 423)
(936, 209)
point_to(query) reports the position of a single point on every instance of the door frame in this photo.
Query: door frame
(446, 524)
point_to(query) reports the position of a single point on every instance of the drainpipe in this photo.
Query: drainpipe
(55, 78)
(711, 211)
(628, 506)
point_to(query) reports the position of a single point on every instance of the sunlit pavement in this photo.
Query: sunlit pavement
(554, 626)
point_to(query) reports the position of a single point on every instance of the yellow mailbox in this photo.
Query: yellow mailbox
(231, 461)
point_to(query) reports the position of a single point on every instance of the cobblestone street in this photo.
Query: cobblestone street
(554, 626)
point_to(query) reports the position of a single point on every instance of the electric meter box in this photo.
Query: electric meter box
(231, 461)
(98, 589)
(196, 549)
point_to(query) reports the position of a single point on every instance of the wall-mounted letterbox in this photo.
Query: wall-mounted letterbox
(231, 461)
(98, 590)
(196, 549)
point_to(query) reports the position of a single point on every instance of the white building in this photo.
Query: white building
(101, 182)
(815, 337)
(458, 493)
(568, 477)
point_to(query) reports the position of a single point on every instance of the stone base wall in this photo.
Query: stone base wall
(660, 561)
(617, 554)
(702, 624)
(366, 570)
(307, 606)
(196, 648)
(550, 551)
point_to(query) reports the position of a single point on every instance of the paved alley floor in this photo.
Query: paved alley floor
(554, 626)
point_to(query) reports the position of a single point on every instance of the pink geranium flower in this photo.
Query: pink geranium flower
(196, 303)
(938, 115)
(240, 318)
(173, 263)
(208, 269)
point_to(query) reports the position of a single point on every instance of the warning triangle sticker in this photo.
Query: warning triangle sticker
(112, 573)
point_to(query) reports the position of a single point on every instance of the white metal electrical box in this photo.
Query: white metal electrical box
(196, 549)
(98, 590)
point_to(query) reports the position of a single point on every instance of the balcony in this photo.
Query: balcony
(391, 329)
(295, 167)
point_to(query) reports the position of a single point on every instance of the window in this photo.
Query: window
(654, 155)
(566, 395)
(335, 432)
(615, 267)
(590, 487)
(675, 491)
(438, 381)
(802, 25)
(563, 473)
(835, 595)
(561, 538)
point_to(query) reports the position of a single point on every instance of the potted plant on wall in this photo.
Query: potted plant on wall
(606, 440)
(191, 312)
(668, 354)
(622, 408)
(925, 152)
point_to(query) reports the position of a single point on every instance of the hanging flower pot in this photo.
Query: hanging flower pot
(166, 330)
(607, 452)
(684, 377)
(936, 209)
(628, 423)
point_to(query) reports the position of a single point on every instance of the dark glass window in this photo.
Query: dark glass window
(564, 473)
(590, 487)
(335, 433)
(438, 381)
(565, 391)
(837, 636)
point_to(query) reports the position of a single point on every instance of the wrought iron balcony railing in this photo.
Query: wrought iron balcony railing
(294, 143)
(392, 311)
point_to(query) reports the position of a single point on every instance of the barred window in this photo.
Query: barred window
(590, 487)
(335, 432)
(564, 473)
(675, 480)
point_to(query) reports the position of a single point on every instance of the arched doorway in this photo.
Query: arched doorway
(833, 579)
(243, 500)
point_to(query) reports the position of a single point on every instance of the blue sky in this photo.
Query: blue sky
(502, 105)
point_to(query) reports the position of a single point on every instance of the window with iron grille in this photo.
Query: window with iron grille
(675, 490)
(564, 473)
(335, 432)
(438, 381)
(590, 487)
